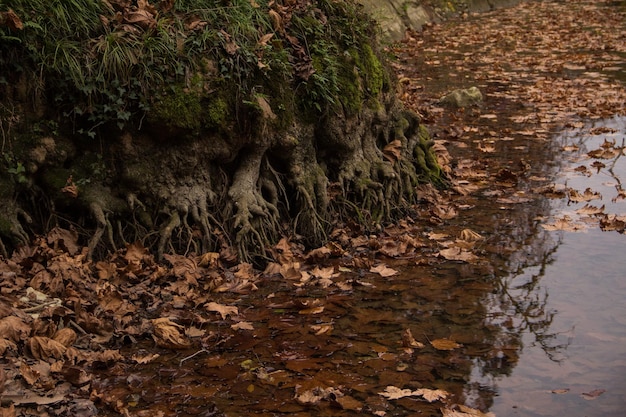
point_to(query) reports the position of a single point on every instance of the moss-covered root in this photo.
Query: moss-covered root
(255, 219)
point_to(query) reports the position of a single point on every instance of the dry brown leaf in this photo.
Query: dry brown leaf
(265, 39)
(65, 336)
(29, 374)
(565, 223)
(14, 328)
(169, 335)
(44, 348)
(223, 310)
(6, 344)
(393, 151)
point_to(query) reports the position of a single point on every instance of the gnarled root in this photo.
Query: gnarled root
(254, 218)
(11, 227)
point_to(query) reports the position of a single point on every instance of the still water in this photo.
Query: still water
(584, 284)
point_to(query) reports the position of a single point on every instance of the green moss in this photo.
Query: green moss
(217, 112)
(372, 69)
(180, 109)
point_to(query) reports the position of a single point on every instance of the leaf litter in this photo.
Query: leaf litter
(76, 335)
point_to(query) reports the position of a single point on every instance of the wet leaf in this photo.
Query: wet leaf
(432, 395)
(456, 253)
(409, 341)
(463, 411)
(223, 310)
(565, 223)
(560, 391)
(445, 344)
(394, 393)
(147, 358)
(348, 403)
(590, 210)
(242, 325)
(587, 195)
(313, 310)
(383, 270)
(592, 395)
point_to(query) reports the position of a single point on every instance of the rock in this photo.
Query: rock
(462, 98)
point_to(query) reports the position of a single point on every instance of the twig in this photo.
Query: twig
(192, 355)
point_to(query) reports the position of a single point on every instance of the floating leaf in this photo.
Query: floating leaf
(463, 411)
(383, 270)
(592, 395)
(445, 344)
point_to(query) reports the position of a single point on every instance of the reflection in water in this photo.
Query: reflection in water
(575, 333)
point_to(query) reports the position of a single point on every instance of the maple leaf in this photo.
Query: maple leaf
(383, 270)
(223, 310)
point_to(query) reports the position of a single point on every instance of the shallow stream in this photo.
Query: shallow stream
(534, 325)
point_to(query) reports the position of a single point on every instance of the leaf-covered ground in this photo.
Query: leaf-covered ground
(312, 335)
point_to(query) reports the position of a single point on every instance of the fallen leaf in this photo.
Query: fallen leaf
(409, 341)
(560, 391)
(223, 310)
(169, 335)
(242, 325)
(394, 393)
(44, 348)
(592, 395)
(445, 344)
(455, 253)
(464, 411)
(383, 270)
(432, 395)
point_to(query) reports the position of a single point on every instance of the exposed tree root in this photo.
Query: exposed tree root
(255, 219)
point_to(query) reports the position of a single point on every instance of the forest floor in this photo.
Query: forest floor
(75, 334)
